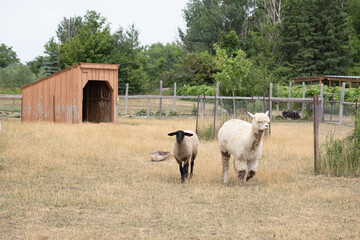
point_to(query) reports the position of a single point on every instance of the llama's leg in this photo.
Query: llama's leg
(225, 162)
(240, 169)
(252, 166)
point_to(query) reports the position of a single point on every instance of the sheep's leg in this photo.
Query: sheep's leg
(240, 169)
(186, 169)
(225, 162)
(192, 168)
(252, 166)
(181, 171)
(192, 164)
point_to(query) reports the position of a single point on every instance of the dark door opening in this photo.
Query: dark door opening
(97, 99)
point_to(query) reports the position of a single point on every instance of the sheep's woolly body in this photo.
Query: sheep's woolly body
(244, 141)
(187, 148)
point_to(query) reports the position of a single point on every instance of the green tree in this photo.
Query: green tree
(194, 69)
(128, 54)
(68, 28)
(230, 42)
(315, 37)
(15, 76)
(37, 66)
(51, 62)
(354, 20)
(93, 42)
(232, 70)
(7, 56)
(207, 19)
(162, 61)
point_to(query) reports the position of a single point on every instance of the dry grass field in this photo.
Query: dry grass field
(96, 181)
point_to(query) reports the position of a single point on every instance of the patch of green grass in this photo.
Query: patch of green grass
(10, 109)
(341, 157)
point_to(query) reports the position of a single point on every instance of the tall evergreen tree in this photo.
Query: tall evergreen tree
(354, 19)
(314, 38)
(51, 63)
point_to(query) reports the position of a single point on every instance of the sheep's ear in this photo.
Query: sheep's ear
(251, 115)
(172, 134)
(188, 134)
(267, 113)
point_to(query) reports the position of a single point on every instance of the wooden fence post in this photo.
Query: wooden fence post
(148, 108)
(316, 131)
(160, 107)
(341, 110)
(174, 105)
(126, 98)
(303, 104)
(288, 105)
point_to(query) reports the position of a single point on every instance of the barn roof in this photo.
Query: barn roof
(82, 65)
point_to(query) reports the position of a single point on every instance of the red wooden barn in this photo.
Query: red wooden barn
(84, 92)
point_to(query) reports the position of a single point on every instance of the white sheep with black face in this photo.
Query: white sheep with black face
(244, 141)
(185, 148)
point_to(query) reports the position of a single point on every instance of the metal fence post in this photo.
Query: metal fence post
(303, 104)
(160, 107)
(270, 106)
(288, 105)
(321, 105)
(277, 104)
(197, 115)
(174, 105)
(148, 108)
(341, 110)
(215, 107)
(316, 131)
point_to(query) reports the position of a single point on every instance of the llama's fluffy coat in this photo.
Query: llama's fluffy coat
(244, 141)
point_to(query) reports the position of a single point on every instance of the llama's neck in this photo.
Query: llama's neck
(256, 138)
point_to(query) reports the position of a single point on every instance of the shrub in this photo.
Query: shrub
(194, 110)
(172, 113)
(196, 90)
(162, 113)
(143, 112)
(341, 157)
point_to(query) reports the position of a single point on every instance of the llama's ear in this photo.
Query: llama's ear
(251, 115)
(172, 134)
(267, 113)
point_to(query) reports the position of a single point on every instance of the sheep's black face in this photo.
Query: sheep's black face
(180, 135)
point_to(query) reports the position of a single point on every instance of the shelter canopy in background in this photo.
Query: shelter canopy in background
(330, 80)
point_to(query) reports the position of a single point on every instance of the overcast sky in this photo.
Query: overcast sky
(26, 25)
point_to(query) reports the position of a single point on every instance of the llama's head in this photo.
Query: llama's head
(260, 121)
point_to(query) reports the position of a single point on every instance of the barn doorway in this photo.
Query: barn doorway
(97, 101)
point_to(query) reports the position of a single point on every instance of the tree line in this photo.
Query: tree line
(244, 44)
